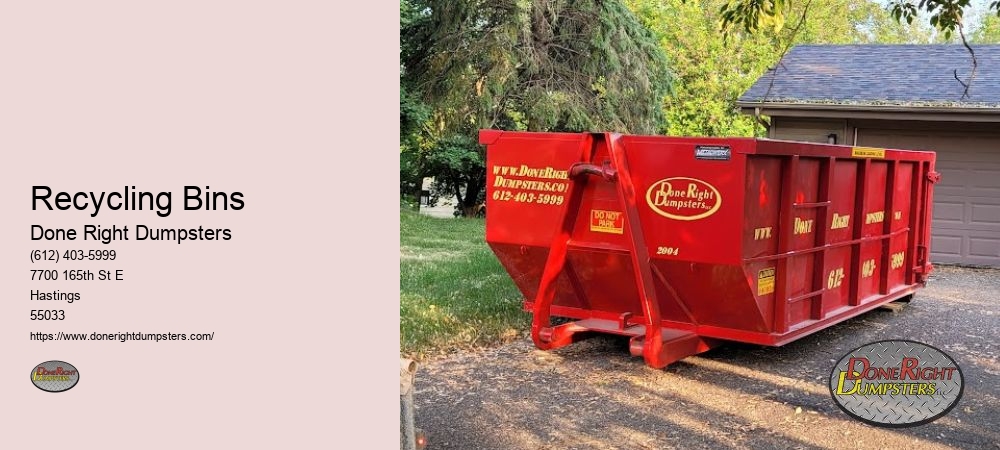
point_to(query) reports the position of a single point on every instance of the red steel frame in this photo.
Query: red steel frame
(658, 346)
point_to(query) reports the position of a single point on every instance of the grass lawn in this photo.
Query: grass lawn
(453, 293)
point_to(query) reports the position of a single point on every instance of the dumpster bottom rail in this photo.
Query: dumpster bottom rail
(674, 344)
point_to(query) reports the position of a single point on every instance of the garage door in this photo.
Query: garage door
(966, 227)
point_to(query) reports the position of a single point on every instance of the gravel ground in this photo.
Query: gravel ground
(594, 395)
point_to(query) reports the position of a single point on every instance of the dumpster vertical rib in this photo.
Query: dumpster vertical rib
(822, 221)
(861, 207)
(786, 228)
(913, 237)
(890, 196)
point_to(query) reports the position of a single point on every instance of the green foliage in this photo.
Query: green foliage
(944, 15)
(987, 31)
(542, 65)
(538, 65)
(459, 165)
(752, 15)
(713, 69)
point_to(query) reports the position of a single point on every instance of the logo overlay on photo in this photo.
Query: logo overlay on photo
(896, 383)
(55, 376)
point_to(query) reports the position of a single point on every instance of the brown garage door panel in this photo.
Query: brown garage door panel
(966, 228)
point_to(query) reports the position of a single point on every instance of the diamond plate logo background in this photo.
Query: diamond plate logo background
(55, 385)
(899, 410)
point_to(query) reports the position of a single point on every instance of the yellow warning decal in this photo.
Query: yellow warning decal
(868, 152)
(607, 221)
(765, 281)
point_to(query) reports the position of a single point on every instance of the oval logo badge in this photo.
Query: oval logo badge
(55, 376)
(682, 198)
(896, 383)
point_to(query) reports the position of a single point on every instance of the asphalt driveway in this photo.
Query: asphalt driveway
(594, 395)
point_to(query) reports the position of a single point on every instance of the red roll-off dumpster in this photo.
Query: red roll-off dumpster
(683, 243)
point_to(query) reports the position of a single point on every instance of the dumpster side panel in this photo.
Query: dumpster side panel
(837, 244)
(692, 193)
(526, 188)
(689, 205)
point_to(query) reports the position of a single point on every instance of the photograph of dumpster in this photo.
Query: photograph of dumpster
(682, 244)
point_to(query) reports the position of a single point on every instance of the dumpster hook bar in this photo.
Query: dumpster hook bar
(604, 171)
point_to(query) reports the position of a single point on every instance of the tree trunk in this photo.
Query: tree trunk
(418, 193)
(470, 207)
(458, 192)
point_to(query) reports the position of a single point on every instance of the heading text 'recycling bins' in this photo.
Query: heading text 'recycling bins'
(130, 199)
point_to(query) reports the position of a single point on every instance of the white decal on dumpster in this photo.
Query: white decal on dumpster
(682, 198)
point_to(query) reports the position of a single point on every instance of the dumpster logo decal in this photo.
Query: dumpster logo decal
(765, 281)
(896, 383)
(55, 376)
(603, 221)
(682, 198)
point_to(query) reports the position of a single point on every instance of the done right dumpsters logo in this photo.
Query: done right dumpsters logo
(896, 383)
(55, 376)
(682, 198)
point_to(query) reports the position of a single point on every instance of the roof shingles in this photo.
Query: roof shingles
(881, 75)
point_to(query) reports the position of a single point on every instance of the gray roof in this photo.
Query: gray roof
(910, 76)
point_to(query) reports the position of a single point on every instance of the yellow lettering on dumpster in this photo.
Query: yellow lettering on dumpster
(840, 221)
(835, 279)
(868, 268)
(761, 233)
(898, 259)
(803, 226)
(874, 217)
(669, 251)
(538, 185)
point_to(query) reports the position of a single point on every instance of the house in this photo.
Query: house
(905, 97)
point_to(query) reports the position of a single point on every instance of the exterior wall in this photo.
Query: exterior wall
(966, 228)
(808, 130)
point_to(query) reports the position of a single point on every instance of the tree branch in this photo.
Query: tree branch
(788, 46)
(975, 64)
